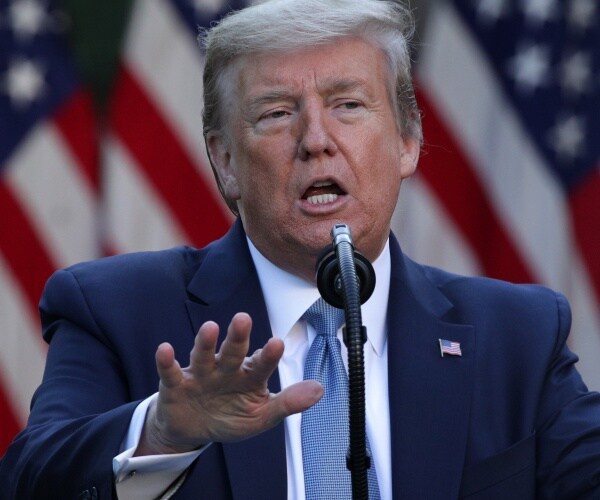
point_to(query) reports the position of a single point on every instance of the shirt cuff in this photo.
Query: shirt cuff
(146, 476)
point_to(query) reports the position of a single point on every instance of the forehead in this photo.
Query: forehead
(347, 63)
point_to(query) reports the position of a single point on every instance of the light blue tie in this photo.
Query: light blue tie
(325, 428)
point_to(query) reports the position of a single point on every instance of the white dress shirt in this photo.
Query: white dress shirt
(287, 297)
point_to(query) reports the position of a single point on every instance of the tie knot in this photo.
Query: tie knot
(324, 318)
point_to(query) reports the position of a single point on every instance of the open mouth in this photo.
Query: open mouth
(322, 192)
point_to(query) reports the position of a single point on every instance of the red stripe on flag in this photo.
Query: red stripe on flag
(448, 172)
(9, 423)
(585, 212)
(166, 163)
(22, 249)
(76, 122)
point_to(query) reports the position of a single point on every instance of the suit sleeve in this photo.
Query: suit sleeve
(79, 413)
(568, 437)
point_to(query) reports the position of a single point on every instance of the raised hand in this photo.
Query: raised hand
(222, 396)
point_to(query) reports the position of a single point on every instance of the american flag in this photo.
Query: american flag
(48, 188)
(449, 347)
(509, 178)
(156, 186)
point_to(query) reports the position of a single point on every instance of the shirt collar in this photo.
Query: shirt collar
(287, 297)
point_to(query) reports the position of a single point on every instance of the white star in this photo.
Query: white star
(491, 10)
(539, 11)
(567, 138)
(530, 67)
(208, 7)
(582, 13)
(27, 18)
(575, 73)
(24, 82)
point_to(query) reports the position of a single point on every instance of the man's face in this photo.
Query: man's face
(313, 141)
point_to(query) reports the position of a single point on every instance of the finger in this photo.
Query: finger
(167, 366)
(234, 348)
(261, 365)
(294, 399)
(202, 355)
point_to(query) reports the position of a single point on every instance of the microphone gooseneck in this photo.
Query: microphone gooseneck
(346, 279)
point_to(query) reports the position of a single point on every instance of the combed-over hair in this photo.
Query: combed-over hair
(289, 25)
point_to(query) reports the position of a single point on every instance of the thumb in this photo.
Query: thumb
(295, 399)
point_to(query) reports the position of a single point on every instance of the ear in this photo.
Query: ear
(222, 164)
(409, 156)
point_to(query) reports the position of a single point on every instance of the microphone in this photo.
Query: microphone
(346, 279)
(329, 281)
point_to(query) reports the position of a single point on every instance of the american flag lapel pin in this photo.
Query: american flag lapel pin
(449, 347)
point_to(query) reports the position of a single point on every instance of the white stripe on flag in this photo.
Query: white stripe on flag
(23, 352)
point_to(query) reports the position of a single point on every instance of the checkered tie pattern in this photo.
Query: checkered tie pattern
(325, 428)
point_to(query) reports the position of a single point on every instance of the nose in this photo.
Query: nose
(314, 135)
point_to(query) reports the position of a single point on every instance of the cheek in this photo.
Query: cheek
(263, 183)
(382, 168)
(267, 168)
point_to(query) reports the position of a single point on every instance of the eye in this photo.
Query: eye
(349, 109)
(351, 105)
(274, 115)
(348, 104)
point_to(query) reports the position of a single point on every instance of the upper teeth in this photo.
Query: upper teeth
(322, 198)
(322, 183)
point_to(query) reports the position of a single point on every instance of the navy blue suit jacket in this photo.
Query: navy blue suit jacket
(510, 418)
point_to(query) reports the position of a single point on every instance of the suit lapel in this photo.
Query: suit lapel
(226, 283)
(430, 395)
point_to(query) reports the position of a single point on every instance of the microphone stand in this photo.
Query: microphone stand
(353, 290)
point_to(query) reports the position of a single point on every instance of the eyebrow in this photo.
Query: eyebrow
(330, 86)
(271, 95)
(334, 85)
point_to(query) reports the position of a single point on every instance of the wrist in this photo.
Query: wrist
(155, 441)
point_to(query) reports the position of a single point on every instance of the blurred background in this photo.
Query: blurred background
(101, 151)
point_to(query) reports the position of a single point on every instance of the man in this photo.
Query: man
(310, 120)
